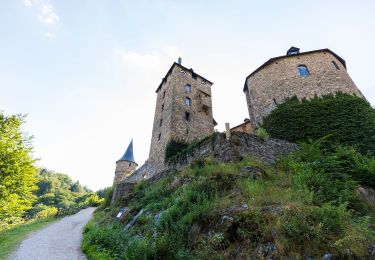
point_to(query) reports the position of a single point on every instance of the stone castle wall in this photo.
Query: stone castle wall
(123, 170)
(169, 119)
(246, 127)
(280, 80)
(222, 151)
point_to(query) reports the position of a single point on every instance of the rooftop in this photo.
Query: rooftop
(128, 155)
(182, 67)
(293, 55)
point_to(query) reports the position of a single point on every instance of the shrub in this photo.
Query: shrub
(93, 200)
(262, 133)
(47, 212)
(174, 147)
(350, 120)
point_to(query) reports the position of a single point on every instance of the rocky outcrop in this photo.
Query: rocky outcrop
(220, 149)
(233, 150)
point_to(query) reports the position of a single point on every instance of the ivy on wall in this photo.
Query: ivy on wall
(347, 119)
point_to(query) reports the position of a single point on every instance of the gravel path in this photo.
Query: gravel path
(57, 241)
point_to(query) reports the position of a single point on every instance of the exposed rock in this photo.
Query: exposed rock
(176, 182)
(131, 223)
(123, 212)
(158, 215)
(267, 250)
(273, 209)
(245, 206)
(255, 172)
(367, 194)
(328, 256)
(371, 250)
(226, 218)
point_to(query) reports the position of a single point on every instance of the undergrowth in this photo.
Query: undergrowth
(305, 205)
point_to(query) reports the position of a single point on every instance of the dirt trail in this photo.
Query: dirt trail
(58, 241)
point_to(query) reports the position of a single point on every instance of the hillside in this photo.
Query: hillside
(314, 200)
(308, 204)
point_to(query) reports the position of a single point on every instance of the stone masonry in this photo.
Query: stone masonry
(123, 170)
(183, 112)
(278, 79)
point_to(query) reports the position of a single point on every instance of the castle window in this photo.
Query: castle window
(205, 110)
(274, 101)
(187, 116)
(164, 94)
(187, 88)
(188, 101)
(159, 136)
(303, 71)
(336, 66)
(161, 122)
(162, 107)
(193, 75)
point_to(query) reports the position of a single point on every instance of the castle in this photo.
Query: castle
(183, 109)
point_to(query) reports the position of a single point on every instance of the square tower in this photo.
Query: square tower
(183, 112)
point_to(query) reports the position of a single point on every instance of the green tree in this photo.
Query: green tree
(17, 173)
(76, 187)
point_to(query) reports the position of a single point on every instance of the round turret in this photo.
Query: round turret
(125, 166)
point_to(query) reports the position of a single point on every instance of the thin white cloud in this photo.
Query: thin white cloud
(27, 3)
(50, 35)
(47, 14)
(45, 11)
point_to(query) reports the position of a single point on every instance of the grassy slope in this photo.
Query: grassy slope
(192, 205)
(11, 238)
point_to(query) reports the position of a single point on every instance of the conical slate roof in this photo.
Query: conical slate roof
(128, 155)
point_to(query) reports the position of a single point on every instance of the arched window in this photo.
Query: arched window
(303, 71)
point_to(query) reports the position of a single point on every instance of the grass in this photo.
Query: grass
(184, 213)
(11, 238)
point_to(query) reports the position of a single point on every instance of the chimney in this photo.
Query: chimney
(179, 60)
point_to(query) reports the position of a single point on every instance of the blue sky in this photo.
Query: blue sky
(86, 71)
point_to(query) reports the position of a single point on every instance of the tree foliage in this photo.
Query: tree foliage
(57, 190)
(17, 173)
(348, 119)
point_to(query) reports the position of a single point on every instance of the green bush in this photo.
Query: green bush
(173, 148)
(262, 133)
(350, 120)
(47, 212)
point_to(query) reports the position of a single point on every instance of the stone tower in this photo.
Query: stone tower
(305, 75)
(125, 166)
(183, 112)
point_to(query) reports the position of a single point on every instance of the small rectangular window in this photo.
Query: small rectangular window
(162, 107)
(159, 136)
(188, 101)
(161, 122)
(164, 94)
(205, 110)
(187, 88)
(335, 64)
(187, 116)
(193, 75)
(303, 71)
